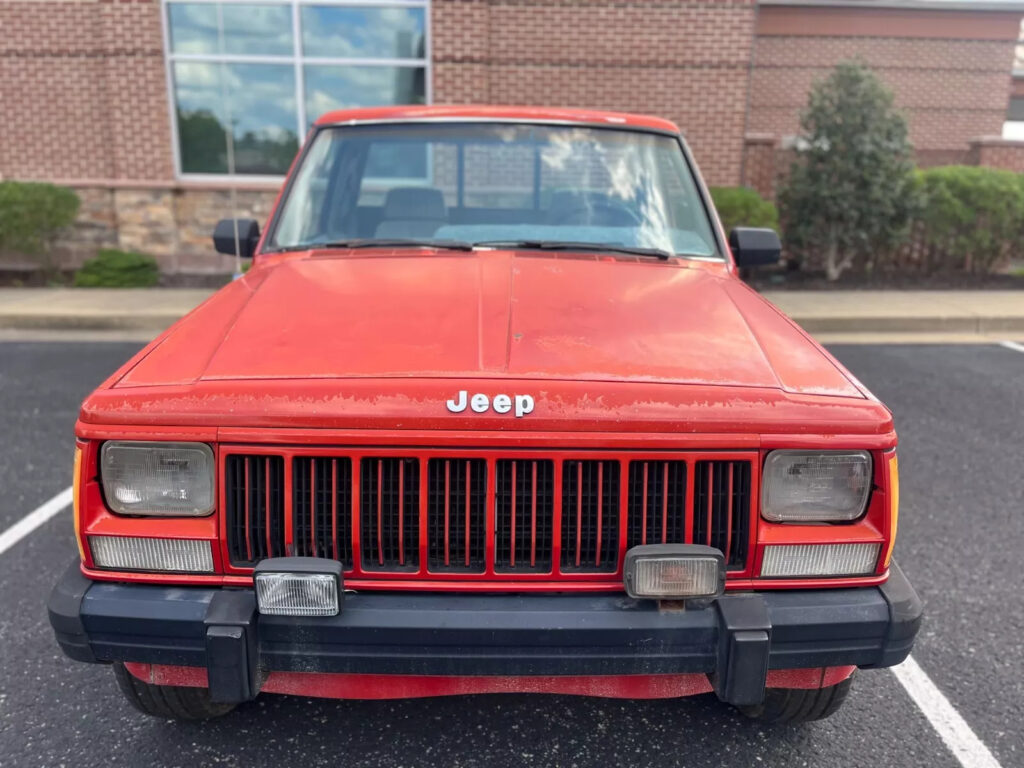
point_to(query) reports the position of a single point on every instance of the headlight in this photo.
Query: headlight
(172, 479)
(815, 486)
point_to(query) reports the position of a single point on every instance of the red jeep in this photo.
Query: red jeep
(492, 411)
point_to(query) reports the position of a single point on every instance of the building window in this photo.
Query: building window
(247, 79)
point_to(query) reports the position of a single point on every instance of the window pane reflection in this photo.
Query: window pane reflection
(259, 101)
(339, 87)
(264, 30)
(363, 33)
(193, 27)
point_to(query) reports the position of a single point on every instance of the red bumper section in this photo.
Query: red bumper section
(353, 686)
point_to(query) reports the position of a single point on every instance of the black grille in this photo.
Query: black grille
(390, 502)
(322, 508)
(456, 514)
(590, 516)
(524, 507)
(254, 490)
(656, 507)
(389, 508)
(721, 508)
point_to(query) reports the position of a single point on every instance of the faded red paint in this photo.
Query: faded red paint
(509, 114)
(342, 686)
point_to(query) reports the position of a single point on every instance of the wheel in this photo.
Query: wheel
(171, 702)
(799, 705)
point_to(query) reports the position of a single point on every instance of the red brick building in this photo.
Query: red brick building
(129, 101)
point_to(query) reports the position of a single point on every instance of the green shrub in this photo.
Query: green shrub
(850, 192)
(743, 207)
(118, 269)
(972, 218)
(31, 214)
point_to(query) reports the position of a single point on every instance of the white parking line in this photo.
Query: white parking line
(952, 729)
(33, 520)
(1012, 345)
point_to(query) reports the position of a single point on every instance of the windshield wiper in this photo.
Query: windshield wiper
(365, 242)
(567, 245)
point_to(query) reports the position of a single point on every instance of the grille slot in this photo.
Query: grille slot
(456, 515)
(389, 509)
(322, 507)
(656, 507)
(524, 510)
(590, 516)
(254, 495)
(721, 508)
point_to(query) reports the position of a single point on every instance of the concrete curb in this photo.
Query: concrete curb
(973, 325)
(157, 322)
(92, 322)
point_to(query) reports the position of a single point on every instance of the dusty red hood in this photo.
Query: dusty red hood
(491, 315)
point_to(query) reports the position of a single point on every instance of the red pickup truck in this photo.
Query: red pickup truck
(492, 411)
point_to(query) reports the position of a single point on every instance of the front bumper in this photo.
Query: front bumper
(735, 640)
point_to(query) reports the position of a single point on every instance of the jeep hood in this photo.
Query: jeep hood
(490, 315)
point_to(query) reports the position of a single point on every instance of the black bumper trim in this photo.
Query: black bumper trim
(735, 639)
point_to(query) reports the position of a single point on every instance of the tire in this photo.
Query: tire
(799, 705)
(170, 702)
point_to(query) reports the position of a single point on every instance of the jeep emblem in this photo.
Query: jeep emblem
(480, 403)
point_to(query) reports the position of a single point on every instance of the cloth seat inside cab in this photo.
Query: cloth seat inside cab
(412, 212)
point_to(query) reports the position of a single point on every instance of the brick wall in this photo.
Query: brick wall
(993, 152)
(679, 59)
(760, 163)
(949, 70)
(82, 90)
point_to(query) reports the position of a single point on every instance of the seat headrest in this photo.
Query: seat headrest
(414, 203)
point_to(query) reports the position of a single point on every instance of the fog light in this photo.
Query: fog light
(674, 571)
(819, 559)
(298, 586)
(129, 553)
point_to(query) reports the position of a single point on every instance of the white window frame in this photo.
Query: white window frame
(297, 59)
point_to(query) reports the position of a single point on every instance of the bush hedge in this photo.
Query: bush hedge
(743, 207)
(972, 218)
(31, 213)
(118, 269)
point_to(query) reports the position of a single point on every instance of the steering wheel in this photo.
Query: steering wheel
(598, 213)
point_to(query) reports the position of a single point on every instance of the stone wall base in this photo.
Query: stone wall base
(174, 225)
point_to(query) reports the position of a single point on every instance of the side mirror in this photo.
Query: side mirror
(752, 247)
(248, 236)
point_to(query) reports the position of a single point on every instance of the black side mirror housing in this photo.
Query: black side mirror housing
(755, 247)
(248, 236)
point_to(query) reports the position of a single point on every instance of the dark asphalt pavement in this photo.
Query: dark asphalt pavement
(959, 413)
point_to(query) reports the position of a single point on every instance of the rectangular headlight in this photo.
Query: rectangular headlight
(815, 486)
(673, 571)
(144, 478)
(129, 553)
(298, 586)
(784, 560)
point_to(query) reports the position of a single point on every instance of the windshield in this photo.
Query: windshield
(492, 183)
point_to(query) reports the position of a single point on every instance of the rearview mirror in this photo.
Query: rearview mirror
(754, 247)
(248, 235)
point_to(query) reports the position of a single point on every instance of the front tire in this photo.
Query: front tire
(170, 702)
(799, 705)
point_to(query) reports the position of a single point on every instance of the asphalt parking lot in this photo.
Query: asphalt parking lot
(959, 413)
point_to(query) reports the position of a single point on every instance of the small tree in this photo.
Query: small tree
(850, 192)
